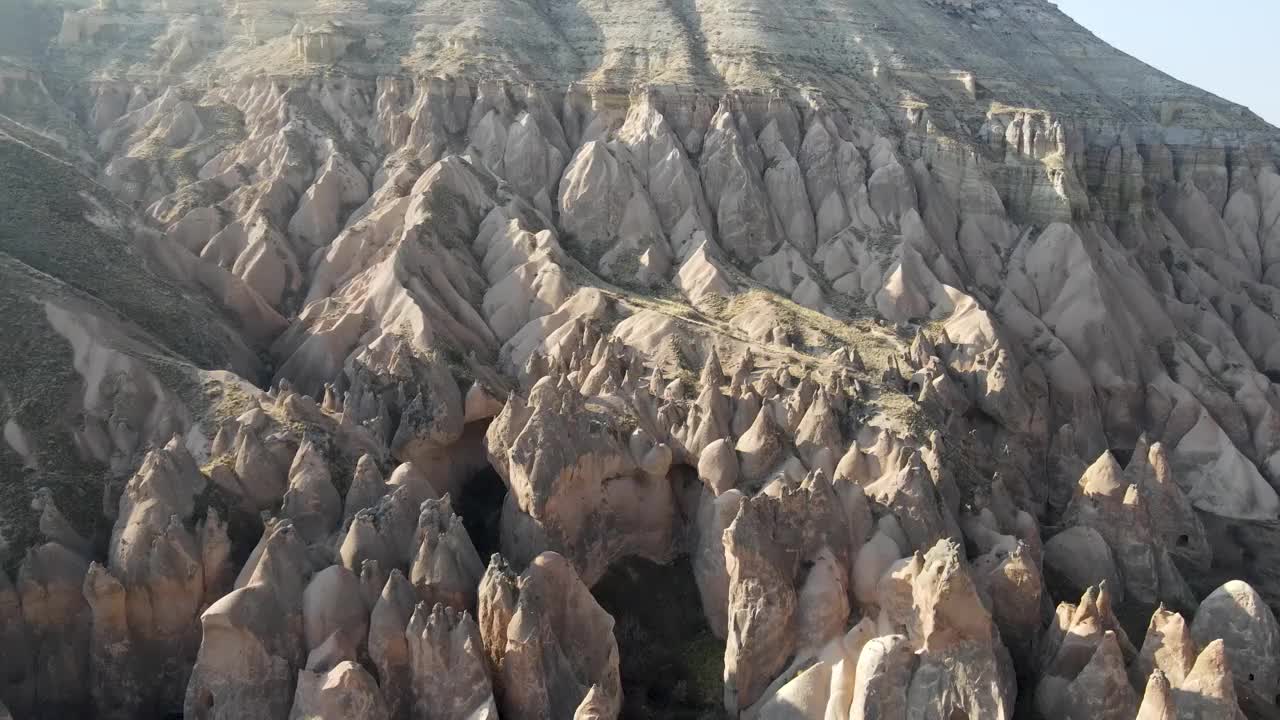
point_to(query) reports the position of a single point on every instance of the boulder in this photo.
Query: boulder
(345, 691)
(1238, 616)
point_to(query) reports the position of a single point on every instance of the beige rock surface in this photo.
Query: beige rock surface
(345, 691)
(1236, 615)
(559, 646)
(389, 646)
(897, 323)
(445, 643)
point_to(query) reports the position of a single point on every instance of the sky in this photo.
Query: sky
(1228, 47)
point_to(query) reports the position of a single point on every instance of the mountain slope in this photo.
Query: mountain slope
(894, 324)
(105, 350)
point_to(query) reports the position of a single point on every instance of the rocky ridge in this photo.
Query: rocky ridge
(936, 339)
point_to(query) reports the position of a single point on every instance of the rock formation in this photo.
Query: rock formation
(555, 655)
(927, 348)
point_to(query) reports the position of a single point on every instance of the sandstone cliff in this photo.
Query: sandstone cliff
(569, 359)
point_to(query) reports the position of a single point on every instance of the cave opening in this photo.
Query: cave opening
(1122, 455)
(479, 503)
(672, 665)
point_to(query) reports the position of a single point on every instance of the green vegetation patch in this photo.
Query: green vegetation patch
(38, 389)
(45, 227)
(51, 252)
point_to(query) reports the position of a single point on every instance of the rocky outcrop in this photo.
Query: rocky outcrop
(389, 645)
(1182, 678)
(446, 568)
(555, 655)
(344, 691)
(253, 642)
(564, 464)
(446, 643)
(1080, 633)
(1236, 615)
(58, 620)
(933, 367)
(950, 640)
(959, 640)
(1116, 533)
(159, 576)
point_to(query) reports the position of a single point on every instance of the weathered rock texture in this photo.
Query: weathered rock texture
(939, 337)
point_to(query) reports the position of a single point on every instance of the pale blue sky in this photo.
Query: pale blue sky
(1228, 47)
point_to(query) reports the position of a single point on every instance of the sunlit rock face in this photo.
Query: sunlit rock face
(922, 350)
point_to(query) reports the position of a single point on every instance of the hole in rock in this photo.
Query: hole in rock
(980, 429)
(244, 526)
(1122, 456)
(1183, 541)
(980, 419)
(480, 505)
(672, 666)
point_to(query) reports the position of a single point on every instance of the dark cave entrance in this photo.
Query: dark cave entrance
(672, 665)
(479, 503)
(1122, 456)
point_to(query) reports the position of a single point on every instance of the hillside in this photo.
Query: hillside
(820, 359)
